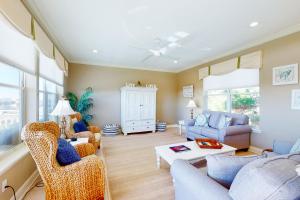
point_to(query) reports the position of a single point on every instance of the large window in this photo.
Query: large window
(237, 92)
(48, 97)
(241, 100)
(10, 106)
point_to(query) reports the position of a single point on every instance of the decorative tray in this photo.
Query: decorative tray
(208, 143)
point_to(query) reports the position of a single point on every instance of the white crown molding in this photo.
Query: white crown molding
(96, 64)
(288, 31)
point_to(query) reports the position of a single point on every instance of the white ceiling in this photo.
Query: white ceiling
(116, 27)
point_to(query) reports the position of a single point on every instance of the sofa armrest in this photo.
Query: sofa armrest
(192, 184)
(189, 122)
(236, 130)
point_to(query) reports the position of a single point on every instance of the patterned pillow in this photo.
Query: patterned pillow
(224, 122)
(296, 147)
(202, 120)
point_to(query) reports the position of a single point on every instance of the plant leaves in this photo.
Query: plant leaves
(73, 100)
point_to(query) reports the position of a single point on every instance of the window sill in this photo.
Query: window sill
(11, 157)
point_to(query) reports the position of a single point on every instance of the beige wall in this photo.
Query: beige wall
(278, 121)
(107, 82)
(17, 175)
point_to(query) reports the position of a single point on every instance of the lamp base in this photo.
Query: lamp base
(192, 114)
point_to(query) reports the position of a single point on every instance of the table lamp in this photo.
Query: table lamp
(62, 110)
(192, 105)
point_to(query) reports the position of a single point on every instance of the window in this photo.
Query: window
(10, 106)
(237, 92)
(48, 97)
(241, 100)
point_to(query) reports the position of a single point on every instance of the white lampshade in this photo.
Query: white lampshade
(191, 104)
(63, 108)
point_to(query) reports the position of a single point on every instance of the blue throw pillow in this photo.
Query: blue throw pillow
(79, 127)
(66, 153)
(202, 120)
(296, 147)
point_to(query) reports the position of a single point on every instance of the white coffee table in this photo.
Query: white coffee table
(194, 155)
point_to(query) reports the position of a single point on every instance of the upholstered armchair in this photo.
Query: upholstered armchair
(84, 179)
(93, 132)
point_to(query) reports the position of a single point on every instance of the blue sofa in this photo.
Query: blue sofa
(236, 135)
(266, 178)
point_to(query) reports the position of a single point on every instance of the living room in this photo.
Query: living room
(140, 87)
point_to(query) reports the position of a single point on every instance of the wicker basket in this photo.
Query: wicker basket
(161, 126)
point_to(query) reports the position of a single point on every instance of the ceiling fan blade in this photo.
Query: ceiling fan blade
(147, 58)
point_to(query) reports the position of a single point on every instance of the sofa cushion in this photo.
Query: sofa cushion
(196, 129)
(269, 178)
(66, 153)
(224, 121)
(214, 119)
(210, 133)
(202, 120)
(296, 147)
(223, 168)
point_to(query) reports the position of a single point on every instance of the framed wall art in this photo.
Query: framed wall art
(285, 75)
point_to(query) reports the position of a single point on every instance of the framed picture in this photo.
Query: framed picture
(296, 100)
(188, 91)
(285, 75)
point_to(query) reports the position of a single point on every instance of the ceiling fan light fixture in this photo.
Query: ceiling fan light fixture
(175, 61)
(253, 24)
(95, 51)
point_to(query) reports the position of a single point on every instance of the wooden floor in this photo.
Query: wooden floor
(131, 167)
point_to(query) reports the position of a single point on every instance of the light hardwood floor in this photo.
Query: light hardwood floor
(131, 167)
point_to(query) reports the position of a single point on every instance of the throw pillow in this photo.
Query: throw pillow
(223, 169)
(79, 127)
(202, 120)
(224, 122)
(66, 153)
(296, 147)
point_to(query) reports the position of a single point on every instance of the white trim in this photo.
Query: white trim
(26, 185)
(172, 126)
(256, 150)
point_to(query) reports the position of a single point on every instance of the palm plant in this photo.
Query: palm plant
(83, 104)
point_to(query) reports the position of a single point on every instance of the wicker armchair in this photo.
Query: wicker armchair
(84, 180)
(91, 134)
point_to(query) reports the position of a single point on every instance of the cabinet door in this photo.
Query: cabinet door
(132, 107)
(147, 105)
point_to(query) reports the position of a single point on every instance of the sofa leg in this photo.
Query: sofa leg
(188, 139)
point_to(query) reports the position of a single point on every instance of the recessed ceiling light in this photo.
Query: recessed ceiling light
(175, 61)
(95, 51)
(253, 24)
(182, 34)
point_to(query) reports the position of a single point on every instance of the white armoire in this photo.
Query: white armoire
(138, 109)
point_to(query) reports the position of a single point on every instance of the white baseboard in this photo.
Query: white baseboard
(172, 126)
(20, 193)
(256, 150)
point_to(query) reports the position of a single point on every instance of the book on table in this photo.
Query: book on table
(180, 148)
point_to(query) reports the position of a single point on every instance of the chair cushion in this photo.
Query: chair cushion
(223, 169)
(268, 178)
(79, 127)
(66, 153)
(195, 129)
(202, 120)
(296, 147)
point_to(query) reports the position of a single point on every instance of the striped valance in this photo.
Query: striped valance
(249, 61)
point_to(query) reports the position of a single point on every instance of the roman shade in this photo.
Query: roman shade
(16, 49)
(17, 14)
(42, 40)
(59, 59)
(49, 69)
(203, 72)
(224, 67)
(251, 60)
(240, 78)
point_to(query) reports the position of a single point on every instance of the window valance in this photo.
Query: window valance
(248, 61)
(42, 40)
